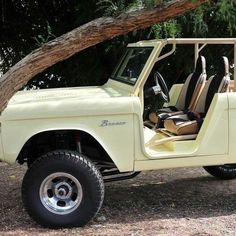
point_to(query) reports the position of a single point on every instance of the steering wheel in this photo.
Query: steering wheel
(159, 88)
(161, 84)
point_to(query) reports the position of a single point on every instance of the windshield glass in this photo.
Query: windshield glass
(132, 65)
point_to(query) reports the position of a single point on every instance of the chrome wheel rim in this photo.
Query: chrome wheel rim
(61, 193)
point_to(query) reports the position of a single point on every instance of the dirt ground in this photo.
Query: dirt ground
(170, 202)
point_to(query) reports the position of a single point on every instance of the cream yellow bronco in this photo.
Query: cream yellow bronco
(75, 139)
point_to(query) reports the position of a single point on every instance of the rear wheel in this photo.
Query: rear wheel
(226, 172)
(62, 189)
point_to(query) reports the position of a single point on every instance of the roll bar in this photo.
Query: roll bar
(199, 44)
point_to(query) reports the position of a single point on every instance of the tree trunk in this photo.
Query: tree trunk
(83, 37)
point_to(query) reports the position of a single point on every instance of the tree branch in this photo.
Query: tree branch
(83, 37)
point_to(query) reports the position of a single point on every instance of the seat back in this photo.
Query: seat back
(192, 87)
(216, 84)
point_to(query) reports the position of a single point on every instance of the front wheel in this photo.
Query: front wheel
(62, 189)
(225, 172)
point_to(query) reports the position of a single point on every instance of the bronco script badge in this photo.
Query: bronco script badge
(111, 123)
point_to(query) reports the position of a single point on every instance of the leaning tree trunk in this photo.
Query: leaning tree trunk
(83, 37)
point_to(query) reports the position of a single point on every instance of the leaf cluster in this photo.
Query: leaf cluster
(117, 7)
(26, 25)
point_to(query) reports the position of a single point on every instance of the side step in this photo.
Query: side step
(117, 176)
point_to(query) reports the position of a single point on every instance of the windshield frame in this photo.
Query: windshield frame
(125, 60)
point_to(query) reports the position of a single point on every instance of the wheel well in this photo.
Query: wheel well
(75, 140)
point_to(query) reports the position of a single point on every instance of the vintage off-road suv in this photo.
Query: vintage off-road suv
(75, 139)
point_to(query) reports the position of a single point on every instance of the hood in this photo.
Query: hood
(46, 95)
(67, 102)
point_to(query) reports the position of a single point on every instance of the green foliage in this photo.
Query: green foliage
(227, 12)
(26, 25)
(117, 7)
(151, 3)
(200, 27)
(211, 20)
(169, 29)
(41, 40)
(112, 8)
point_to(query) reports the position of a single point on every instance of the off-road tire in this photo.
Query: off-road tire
(225, 172)
(83, 172)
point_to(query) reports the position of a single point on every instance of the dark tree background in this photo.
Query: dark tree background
(27, 24)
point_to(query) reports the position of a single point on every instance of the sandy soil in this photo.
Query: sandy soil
(169, 202)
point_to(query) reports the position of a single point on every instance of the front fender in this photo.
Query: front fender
(114, 133)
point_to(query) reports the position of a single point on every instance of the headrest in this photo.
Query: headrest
(223, 66)
(200, 65)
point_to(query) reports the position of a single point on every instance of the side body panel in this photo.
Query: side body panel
(211, 146)
(117, 140)
(1, 147)
(109, 121)
(232, 125)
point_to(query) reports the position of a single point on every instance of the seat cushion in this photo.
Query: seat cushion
(181, 127)
(167, 109)
(188, 96)
(153, 118)
(191, 122)
(159, 119)
(162, 114)
(193, 83)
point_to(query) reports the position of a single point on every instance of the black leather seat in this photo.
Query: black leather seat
(191, 122)
(188, 96)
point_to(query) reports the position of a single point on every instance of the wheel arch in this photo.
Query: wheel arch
(70, 132)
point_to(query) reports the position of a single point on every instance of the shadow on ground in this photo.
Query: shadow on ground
(182, 193)
(182, 198)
